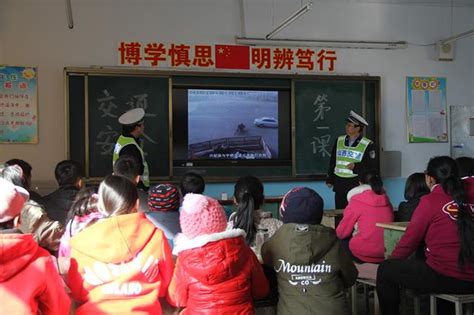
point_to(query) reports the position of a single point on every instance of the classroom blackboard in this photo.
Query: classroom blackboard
(76, 148)
(107, 98)
(321, 107)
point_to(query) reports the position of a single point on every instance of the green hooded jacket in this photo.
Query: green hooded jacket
(313, 270)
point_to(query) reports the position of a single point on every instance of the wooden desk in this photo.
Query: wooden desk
(392, 232)
(331, 218)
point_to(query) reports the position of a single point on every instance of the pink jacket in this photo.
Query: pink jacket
(364, 210)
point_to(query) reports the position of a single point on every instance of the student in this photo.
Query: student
(466, 171)
(34, 219)
(216, 272)
(248, 197)
(26, 168)
(465, 166)
(29, 282)
(122, 263)
(192, 183)
(415, 188)
(128, 167)
(313, 269)
(368, 205)
(83, 213)
(443, 219)
(163, 205)
(69, 175)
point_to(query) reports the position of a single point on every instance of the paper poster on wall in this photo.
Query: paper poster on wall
(426, 109)
(18, 104)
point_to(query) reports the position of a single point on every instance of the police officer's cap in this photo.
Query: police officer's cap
(356, 119)
(132, 117)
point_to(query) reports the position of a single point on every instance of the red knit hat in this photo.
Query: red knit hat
(201, 215)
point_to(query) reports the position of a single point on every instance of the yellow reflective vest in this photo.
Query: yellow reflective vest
(123, 141)
(346, 155)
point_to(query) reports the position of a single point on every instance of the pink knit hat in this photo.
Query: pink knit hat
(201, 215)
(12, 199)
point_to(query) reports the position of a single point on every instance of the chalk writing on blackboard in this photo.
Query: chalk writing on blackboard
(320, 144)
(319, 104)
(107, 136)
(106, 140)
(106, 105)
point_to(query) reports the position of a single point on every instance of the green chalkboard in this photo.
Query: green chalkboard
(108, 98)
(321, 107)
(76, 111)
(94, 104)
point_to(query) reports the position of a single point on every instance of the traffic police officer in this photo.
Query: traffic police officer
(351, 154)
(133, 127)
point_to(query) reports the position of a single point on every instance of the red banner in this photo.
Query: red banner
(222, 56)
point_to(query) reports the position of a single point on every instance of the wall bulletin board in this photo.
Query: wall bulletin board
(426, 109)
(18, 104)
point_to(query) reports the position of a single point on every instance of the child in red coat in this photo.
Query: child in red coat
(216, 272)
(29, 282)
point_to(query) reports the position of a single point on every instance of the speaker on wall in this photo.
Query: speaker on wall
(444, 51)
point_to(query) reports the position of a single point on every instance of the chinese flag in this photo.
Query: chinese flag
(232, 57)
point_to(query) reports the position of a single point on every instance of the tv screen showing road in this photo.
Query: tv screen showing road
(232, 124)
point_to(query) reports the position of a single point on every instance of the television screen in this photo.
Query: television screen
(230, 125)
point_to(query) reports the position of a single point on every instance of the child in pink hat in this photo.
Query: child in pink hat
(215, 271)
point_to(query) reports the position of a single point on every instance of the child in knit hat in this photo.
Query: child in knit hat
(312, 267)
(216, 272)
(163, 205)
(29, 281)
(34, 219)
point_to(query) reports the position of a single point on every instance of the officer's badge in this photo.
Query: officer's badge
(372, 154)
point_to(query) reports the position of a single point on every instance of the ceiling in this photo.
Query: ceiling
(454, 3)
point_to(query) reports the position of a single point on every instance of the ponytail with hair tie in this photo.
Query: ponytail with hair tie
(248, 194)
(438, 168)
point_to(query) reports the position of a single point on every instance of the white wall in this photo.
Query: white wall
(36, 33)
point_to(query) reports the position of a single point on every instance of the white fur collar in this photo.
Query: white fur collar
(181, 242)
(357, 190)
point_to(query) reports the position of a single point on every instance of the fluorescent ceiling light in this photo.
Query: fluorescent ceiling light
(321, 43)
(295, 15)
(458, 36)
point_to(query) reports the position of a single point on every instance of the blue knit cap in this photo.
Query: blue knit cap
(302, 205)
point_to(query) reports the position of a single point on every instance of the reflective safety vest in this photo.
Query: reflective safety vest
(122, 142)
(346, 155)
